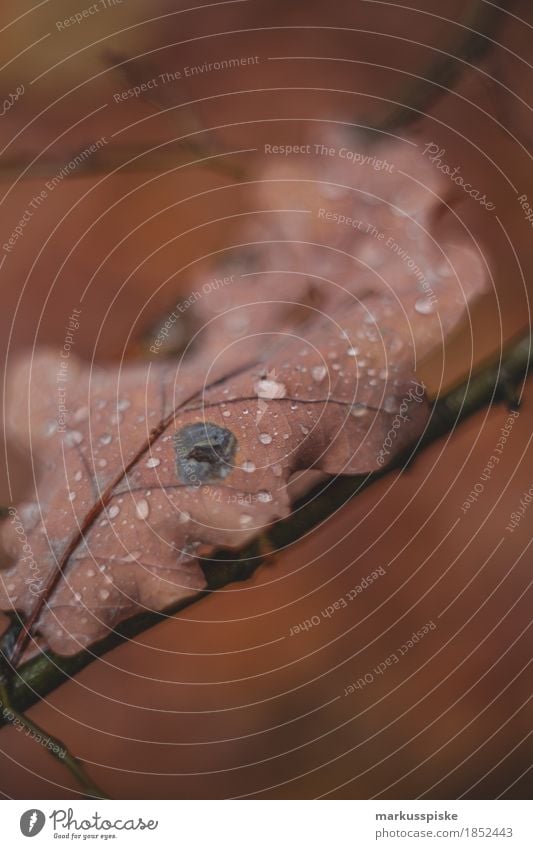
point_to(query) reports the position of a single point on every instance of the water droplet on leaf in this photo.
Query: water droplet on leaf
(74, 437)
(425, 306)
(318, 373)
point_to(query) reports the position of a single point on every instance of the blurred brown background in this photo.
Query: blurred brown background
(221, 701)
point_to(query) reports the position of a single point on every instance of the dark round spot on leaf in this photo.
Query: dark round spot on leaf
(204, 452)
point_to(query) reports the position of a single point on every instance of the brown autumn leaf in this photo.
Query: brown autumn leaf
(305, 359)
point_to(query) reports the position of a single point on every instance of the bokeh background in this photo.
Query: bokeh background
(220, 701)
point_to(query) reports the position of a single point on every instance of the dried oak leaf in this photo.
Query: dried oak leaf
(158, 465)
